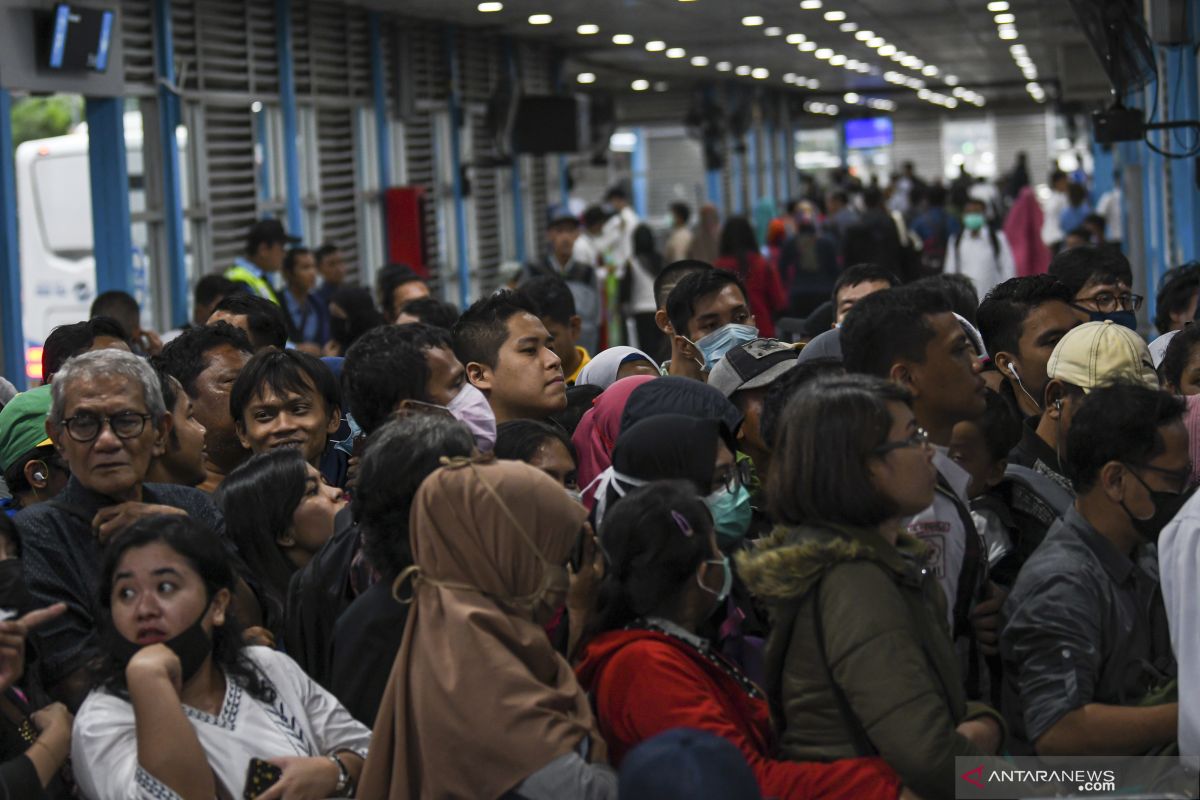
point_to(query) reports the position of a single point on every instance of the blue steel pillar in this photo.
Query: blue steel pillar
(460, 211)
(113, 240)
(518, 200)
(768, 132)
(786, 162)
(1181, 63)
(287, 101)
(641, 188)
(736, 183)
(382, 137)
(712, 180)
(753, 165)
(169, 117)
(11, 329)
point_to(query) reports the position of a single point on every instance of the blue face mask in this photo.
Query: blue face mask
(731, 513)
(726, 585)
(715, 345)
(1126, 318)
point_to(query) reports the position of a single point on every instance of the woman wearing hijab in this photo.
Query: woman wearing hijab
(616, 363)
(490, 545)
(706, 244)
(597, 432)
(1023, 229)
(764, 289)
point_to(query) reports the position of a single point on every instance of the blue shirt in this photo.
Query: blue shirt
(309, 320)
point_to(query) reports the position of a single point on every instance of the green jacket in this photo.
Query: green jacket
(887, 645)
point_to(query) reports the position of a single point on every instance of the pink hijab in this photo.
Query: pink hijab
(1023, 229)
(596, 435)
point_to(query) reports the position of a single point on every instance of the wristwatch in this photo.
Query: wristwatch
(343, 785)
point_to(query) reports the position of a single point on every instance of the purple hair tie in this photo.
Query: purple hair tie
(685, 527)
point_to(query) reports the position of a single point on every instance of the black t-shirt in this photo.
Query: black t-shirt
(366, 639)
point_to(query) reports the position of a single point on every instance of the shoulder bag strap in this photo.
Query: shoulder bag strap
(862, 742)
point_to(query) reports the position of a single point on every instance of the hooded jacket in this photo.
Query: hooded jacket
(886, 646)
(643, 683)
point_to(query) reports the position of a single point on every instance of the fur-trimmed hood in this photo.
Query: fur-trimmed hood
(791, 560)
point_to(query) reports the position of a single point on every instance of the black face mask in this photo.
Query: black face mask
(192, 646)
(14, 595)
(1166, 506)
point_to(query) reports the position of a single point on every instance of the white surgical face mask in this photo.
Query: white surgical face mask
(472, 409)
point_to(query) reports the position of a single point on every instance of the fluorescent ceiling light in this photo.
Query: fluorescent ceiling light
(806, 47)
(622, 38)
(640, 85)
(752, 21)
(656, 46)
(699, 61)
(742, 69)
(835, 16)
(773, 31)
(489, 8)
(676, 52)
(586, 77)
(540, 19)
(824, 53)
(761, 73)
(724, 66)
(587, 29)
(795, 38)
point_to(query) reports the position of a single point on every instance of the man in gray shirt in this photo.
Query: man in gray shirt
(1085, 638)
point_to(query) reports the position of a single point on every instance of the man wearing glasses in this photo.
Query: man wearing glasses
(107, 421)
(1101, 281)
(1085, 642)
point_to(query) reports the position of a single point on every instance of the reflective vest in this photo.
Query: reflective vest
(258, 285)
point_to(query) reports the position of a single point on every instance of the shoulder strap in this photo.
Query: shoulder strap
(862, 742)
(995, 242)
(1044, 487)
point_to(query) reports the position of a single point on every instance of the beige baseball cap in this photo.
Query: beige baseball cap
(1099, 353)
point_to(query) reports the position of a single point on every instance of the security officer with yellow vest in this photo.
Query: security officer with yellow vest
(265, 247)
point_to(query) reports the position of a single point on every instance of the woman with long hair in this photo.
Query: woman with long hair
(649, 669)
(859, 659)
(181, 708)
(644, 266)
(278, 513)
(740, 254)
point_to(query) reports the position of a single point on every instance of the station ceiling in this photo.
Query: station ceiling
(959, 38)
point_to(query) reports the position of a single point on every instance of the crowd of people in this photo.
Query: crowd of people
(784, 510)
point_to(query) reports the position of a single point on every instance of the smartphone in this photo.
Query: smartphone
(259, 777)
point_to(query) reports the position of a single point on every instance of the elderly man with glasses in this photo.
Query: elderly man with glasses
(107, 421)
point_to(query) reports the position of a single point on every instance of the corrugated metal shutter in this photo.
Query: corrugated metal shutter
(339, 212)
(676, 164)
(137, 39)
(1023, 133)
(919, 141)
(228, 175)
(332, 50)
(235, 46)
(479, 67)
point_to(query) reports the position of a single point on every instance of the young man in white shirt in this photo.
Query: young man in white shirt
(980, 252)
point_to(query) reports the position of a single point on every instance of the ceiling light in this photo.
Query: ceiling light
(752, 21)
(924, 94)
(810, 5)
(742, 69)
(1018, 50)
(832, 110)
(877, 42)
(930, 70)
(851, 98)
(899, 55)
(773, 31)
(909, 61)
(838, 61)
(622, 38)
(699, 61)
(978, 100)
(586, 77)
(824, 53)
(813, 83)
(887, 50)
(959, 92)
(676, 52)
(951, 103)
(640, 85)
(806, 47)
(1032, 88)
(656, 46)
(540, 19)
(1005, 19)
(999, 5)
(853, 63)
(724, 66)
(951, 80)
(865, 36)
(587, 29)
(661, 86)
(835, 16)
(848, 27)
(795, 38)
(489, 8)
(789, 77)
(1008, 34)
(761, 73)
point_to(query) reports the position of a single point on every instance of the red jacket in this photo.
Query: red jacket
(643, 683)
(767, 297)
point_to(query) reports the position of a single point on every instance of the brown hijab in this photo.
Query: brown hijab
(478, 699)
(706, 243)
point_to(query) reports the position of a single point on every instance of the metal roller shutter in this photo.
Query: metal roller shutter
(677, 163)
(228, 175)
(235, 47)
(137, 39)
(479, 65)
(919, 141)
(1024, 133)
(339, 213)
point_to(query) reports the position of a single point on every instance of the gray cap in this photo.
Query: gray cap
(752, 365)
(827, 345)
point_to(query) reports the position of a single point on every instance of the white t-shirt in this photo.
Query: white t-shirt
(1178, 572)
(941, 528)
(303, 720)
(975, 258)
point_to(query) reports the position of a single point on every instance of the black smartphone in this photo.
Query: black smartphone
(259, 777)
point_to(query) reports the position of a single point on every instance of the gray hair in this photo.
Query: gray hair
(89, 367)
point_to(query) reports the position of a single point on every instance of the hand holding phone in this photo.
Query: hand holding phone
(260, 776)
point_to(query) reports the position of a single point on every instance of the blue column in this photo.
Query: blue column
(113, 241)
(753, 165)
(287, 101)
(169, 117)
(518, 200)
(641, 188)
(1181, 66)
(736, 183)
(712, 179)
(460, 211)
(1153, 210)
(11, 329)
(768, 132)
(786, 162)
(382, 139)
